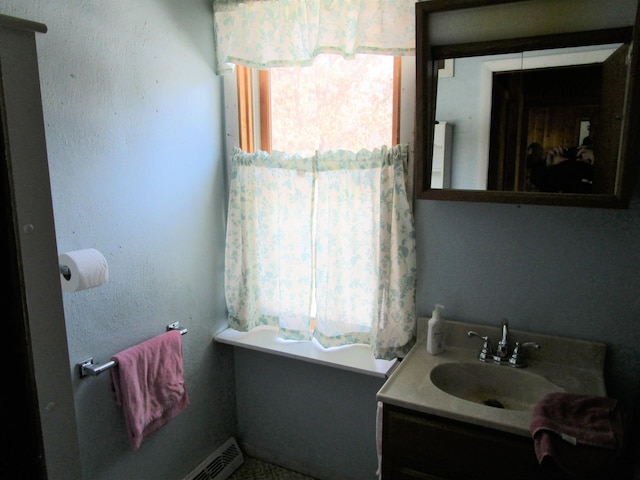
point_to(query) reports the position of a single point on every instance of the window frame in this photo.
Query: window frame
(254, 103)
(357, 359)
(405, 122)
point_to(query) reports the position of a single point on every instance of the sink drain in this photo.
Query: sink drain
(492, 402)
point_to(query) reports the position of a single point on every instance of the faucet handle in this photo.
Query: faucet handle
(486, 352)
(517, 357)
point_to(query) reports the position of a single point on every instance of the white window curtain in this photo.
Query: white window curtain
(276, 33)
(336, 227)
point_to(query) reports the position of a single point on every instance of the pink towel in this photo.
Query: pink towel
(577, 434)
(148, 382)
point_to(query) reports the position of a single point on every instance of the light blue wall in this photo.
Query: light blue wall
(133, 116)
(312, 418)
(458, 103)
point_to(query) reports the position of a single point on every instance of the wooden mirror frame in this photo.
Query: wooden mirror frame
(426, 86)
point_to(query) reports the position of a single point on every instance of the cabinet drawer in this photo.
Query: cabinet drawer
(454, 450)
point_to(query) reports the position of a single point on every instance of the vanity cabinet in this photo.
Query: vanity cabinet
(428, 433)
(417, 445)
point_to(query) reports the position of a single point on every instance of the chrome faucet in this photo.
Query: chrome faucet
(502, 355)
(502, 350)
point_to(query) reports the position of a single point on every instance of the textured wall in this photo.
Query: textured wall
(314, 419)
(133, 119)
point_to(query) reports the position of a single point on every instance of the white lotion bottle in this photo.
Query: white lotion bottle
(435, 332)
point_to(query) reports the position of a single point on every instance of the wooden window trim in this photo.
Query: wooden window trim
(397, 87)
(264, 79)
(245, 108)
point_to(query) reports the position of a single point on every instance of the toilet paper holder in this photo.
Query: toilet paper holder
(82, 269)
(65, 271)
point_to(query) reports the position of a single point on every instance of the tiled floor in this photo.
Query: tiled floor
(253, 469)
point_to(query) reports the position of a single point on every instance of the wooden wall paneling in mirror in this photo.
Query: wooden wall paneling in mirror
(604, 97)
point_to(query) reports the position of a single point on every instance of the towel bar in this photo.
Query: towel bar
(88, 368)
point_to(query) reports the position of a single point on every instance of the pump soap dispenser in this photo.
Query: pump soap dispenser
(435, 332)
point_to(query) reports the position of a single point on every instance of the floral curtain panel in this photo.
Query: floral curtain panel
(276, 33)
(287, 246)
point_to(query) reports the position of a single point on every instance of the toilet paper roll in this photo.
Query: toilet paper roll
(88, 269)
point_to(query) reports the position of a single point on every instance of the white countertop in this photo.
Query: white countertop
(575, 366)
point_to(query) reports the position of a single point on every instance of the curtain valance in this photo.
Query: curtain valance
(276, 33)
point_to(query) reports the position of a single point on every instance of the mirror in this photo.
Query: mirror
(536, 113)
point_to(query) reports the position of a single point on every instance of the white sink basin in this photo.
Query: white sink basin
(456, 385)
(492, 385)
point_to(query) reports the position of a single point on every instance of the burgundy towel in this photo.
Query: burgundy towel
(148, 382)
(576, 434)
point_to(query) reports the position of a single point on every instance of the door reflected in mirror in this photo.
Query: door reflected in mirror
(544, 115)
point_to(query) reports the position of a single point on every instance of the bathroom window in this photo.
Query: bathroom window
(272, 35)
(287, 112)
(334, 104)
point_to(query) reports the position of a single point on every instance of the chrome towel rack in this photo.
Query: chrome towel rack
(88, 368)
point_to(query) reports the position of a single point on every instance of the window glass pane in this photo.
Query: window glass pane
(334, 104)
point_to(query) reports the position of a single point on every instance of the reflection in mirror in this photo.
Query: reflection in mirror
(544, 106)
(542, 118)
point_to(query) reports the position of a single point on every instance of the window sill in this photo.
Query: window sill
(355, 358)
